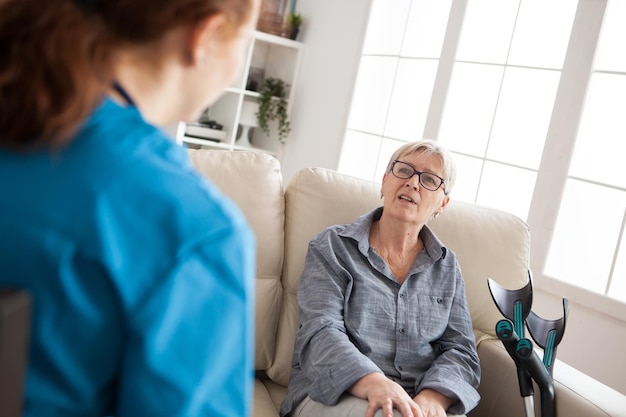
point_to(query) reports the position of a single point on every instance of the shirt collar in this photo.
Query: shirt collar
(359, 230)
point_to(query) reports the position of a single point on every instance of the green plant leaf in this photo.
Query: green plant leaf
(273, 106)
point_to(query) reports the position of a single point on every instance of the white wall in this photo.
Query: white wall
(593, 342)
(333, 33)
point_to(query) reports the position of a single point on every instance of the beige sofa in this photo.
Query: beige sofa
(489, 244)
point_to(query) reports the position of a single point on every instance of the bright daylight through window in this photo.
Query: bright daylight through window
(531, 98)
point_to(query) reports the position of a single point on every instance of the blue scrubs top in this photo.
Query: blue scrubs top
(141, 274)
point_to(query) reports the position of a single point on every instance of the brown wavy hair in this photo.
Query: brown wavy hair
(56, 59)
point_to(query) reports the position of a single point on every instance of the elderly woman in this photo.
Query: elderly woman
(384, 325)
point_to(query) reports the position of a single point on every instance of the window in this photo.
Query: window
(395, 82)
(594, 200)
(502, 93)
(530, 96)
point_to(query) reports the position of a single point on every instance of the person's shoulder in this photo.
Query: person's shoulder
(356, 230)
(117, 146)
(131, 163)
(331, 239)
(330, 232)
(121, 137)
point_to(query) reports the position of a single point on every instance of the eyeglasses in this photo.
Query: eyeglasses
(427, 180)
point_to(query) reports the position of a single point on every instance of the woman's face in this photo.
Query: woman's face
(406, 199)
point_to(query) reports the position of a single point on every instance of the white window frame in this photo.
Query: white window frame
(559, 144)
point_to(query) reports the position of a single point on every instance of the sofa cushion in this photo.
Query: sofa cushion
(489, 244)
(254, 182)
(314, 199)
(263, 405)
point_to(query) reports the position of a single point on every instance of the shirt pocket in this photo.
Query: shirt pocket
(433, 315)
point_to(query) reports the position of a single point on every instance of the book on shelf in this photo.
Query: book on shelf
(202, 131)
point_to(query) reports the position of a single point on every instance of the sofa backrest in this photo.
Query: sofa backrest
(314, 199)
(254, 182)
(489, 244)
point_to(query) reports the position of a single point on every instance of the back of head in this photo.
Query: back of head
(57, 58)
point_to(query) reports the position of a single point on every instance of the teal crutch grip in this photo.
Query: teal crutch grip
(508, 337)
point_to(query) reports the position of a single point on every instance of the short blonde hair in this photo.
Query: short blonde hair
(429, 147)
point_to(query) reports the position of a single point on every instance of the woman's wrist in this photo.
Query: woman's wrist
(430, 395)
(363, 385)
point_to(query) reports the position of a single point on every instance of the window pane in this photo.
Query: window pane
(426, 28)
(372, 93)
(585, 236)
(610, 55)
(523, 115)
(617, 288)
(389, 146)
(410, 99)
(468, 171)
(386, 27)
(487, 30)
(542, 32)
(507, 188)
(470, 106)
(601, 142)
(358, 152)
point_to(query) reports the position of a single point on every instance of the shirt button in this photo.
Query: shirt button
(439, 300)
(401, 330)
(400, 368)
(401, 295)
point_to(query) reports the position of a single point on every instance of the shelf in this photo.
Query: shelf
(206, 143)
(277, 40)
(199, 131)
(188, 140)
(253, 94)
(269, 56)
(247, 93)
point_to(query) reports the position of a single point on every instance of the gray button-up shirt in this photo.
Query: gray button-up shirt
(355, 319)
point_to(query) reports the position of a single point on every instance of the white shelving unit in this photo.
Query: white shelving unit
(269, 56)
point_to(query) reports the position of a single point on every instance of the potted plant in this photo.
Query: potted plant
(294, 20)
(273, 106)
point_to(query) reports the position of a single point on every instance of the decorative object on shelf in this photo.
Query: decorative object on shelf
(272, 17)
(204, 117)
(211, 124)
(273, 106)
(205, 128)
(255, 78)
(271, 23)
(294, 20)
(205, 131)
(247, 122)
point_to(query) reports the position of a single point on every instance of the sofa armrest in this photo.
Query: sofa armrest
(15, 312)
(577, 394)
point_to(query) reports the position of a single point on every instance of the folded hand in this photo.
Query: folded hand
(432, 403)
(383, 393)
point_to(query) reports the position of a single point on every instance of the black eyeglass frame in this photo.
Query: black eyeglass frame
(419, 176)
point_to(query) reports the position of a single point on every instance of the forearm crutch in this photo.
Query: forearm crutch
(546, 333)
(508, 337)
(515, 306)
